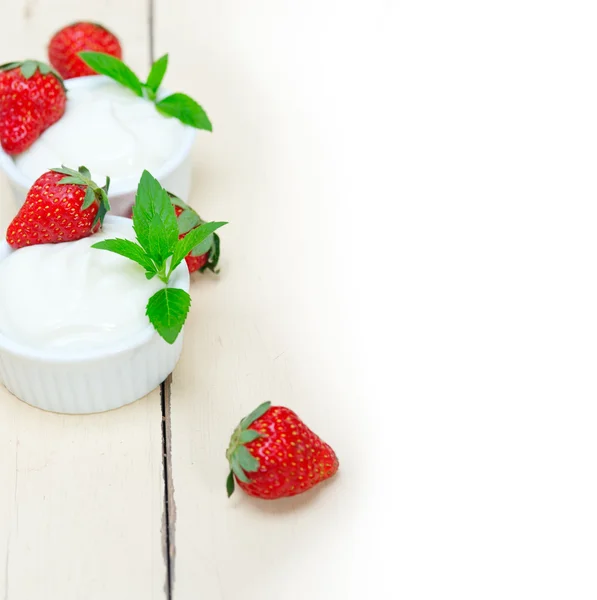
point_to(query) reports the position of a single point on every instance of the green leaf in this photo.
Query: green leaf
(85, 172)
(249, 435)
(71, 179)
(156, 75)
(28, 68)
(102, 211)
(230, 484)
(185, 109)
(214, 255)
(258, 412)
(203, 247)
(113, 68)
(65, 171)
(9, 66)
(247, 461)
(178, 202)
(89, 197)
(192, 238)
(44, 68)
(159, 248)
(187, 220)
(167, 310)
(151, 200)
(128, 249)
(238, 471)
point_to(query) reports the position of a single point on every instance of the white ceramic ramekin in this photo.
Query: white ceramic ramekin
(94, 381)
(174, 174)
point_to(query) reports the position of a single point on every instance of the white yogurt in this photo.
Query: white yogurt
(72, 297)
(110, 131)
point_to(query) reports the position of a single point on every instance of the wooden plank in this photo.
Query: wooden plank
(269, 328)
(81, 505)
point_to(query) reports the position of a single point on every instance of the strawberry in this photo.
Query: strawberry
(62, 205)
(19, 126)
(32, 98)
(66, 44)
(281, 454)
(205, 255)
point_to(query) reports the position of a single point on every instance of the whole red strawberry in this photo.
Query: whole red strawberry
(66, 44)
(62, 205)
(207, 253)
(273, 454)
(32, 98)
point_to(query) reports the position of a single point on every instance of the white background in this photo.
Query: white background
(473, 244)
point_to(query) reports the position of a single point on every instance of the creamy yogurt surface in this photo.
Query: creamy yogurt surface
(110, 131)
(72, 297)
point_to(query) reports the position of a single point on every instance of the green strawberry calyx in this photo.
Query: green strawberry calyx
(189, 219)
(29, 67)
(93, 193)
(241, 461)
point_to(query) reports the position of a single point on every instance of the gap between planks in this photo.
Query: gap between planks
(169, 507)
(165, 387)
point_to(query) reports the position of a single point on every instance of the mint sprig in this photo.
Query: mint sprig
(178, 105)
(159, 251)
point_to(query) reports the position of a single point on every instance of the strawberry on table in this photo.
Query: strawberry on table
(66, 44)
(205, 255)
(32, 98)
(273, 454)
(63, 205)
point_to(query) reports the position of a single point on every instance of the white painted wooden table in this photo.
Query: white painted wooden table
(410, 188)
(89, 504)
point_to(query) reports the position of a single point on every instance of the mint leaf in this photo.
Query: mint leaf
(153, 200)
(185, 109)
(159, 248)
(156, 75)
(167, 310)
(128, 249)
(113, 68)
(194, 237)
